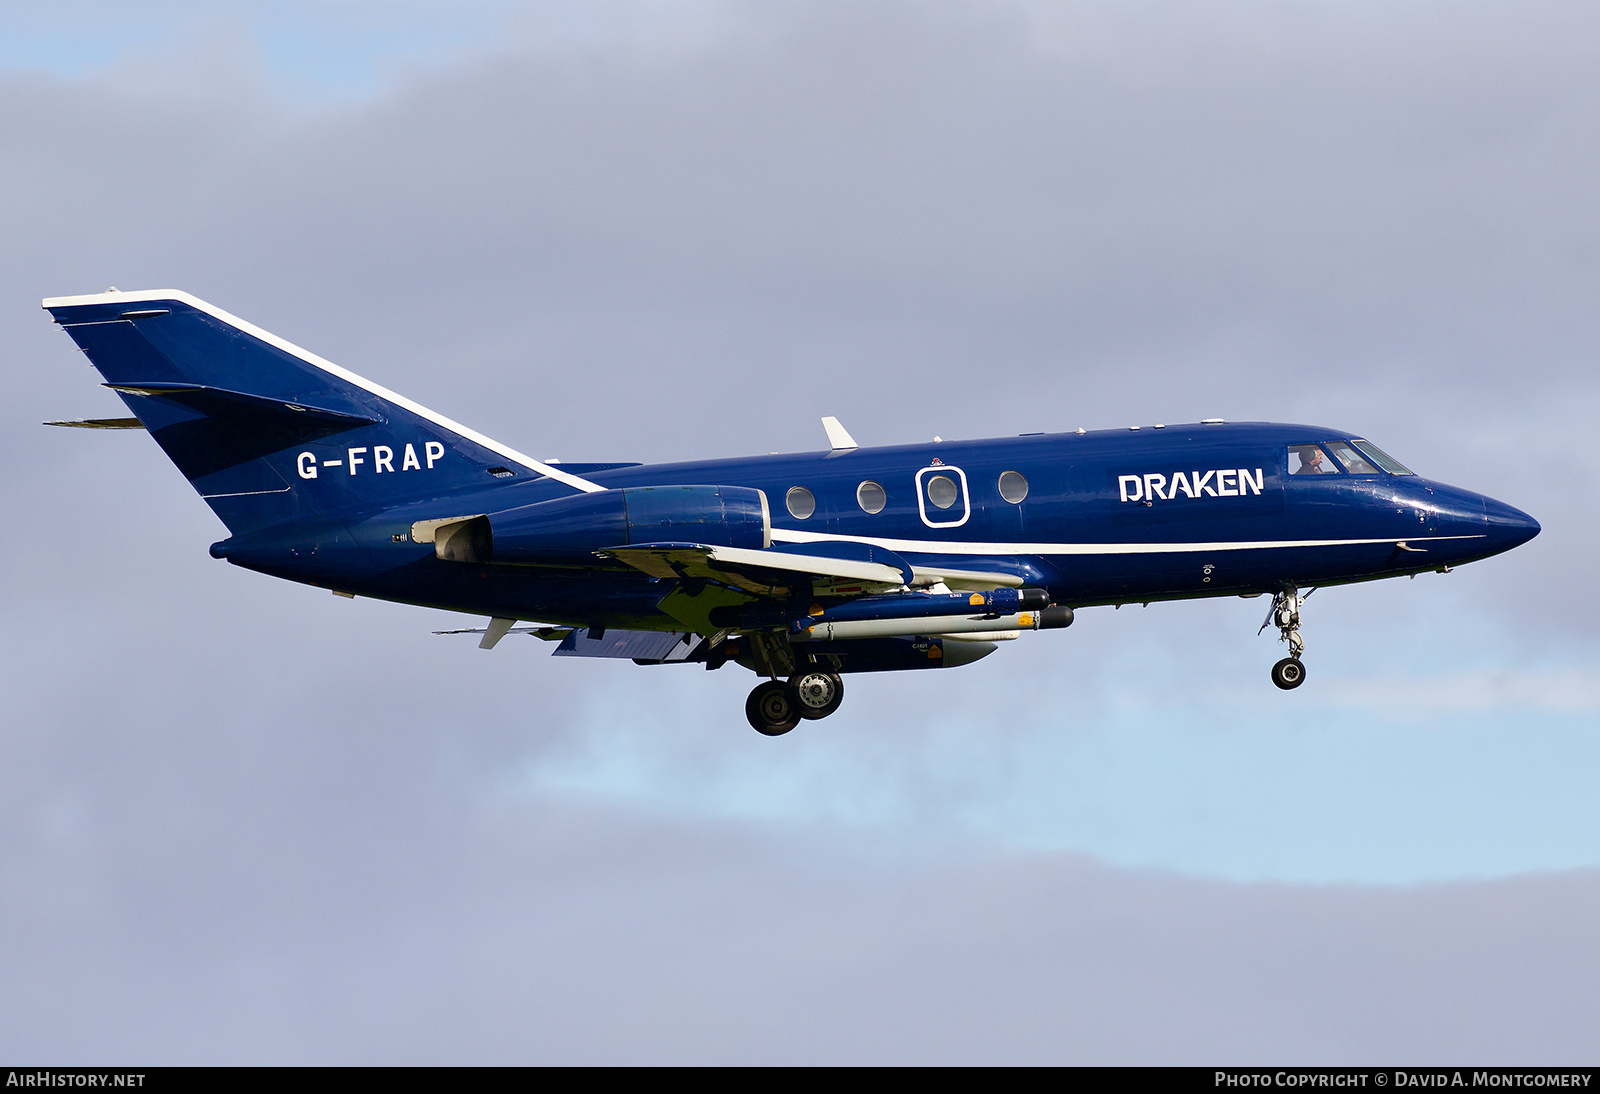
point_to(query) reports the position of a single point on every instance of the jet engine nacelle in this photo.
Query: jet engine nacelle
(575, 527)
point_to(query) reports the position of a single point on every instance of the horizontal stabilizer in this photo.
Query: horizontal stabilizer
(100, 423)
(239, 407)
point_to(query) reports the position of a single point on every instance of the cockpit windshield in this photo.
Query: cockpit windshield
(1383, 459)
(1351, 460)
(1349, 457)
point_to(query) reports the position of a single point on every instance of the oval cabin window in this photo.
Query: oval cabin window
(1013, 487)
(800, 502)
(871, 497)
(942, 491)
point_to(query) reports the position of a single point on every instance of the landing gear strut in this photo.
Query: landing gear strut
(1289, 673)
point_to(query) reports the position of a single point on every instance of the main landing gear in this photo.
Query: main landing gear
(774, 709)
(1289, 673)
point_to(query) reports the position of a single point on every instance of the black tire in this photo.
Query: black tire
(1289, 673)
(770, 709)
(815, 694)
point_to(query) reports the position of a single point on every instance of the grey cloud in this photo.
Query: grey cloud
(558, 934)
(243, 822)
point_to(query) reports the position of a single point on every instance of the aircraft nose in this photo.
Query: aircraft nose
(1508, 526)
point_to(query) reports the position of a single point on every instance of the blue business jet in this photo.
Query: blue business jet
(800, 567)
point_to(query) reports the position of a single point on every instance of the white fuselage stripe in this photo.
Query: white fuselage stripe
(310, 358)
(954, 547)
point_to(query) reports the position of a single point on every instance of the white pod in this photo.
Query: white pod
(968, 628)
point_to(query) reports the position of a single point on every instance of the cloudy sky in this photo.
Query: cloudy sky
(243, 821)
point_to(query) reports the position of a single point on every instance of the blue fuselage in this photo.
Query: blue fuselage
(1107, 517)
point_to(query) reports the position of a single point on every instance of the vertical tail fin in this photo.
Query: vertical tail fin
(266, 431)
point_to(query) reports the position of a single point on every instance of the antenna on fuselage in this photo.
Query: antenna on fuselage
(839, 439)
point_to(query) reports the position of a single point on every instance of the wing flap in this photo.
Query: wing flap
(656, 646)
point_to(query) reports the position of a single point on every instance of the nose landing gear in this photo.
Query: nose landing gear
(1288, 673)
(774, 709)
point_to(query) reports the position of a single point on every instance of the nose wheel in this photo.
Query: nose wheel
(1289, 673)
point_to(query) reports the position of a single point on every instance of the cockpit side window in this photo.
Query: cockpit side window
(1309, 459)
(1352, 461)
(1382, 458)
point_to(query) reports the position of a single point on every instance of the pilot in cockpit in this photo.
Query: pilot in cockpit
(1310, 457)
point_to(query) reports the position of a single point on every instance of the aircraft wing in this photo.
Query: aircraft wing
(548, 633)
(100, 423)
(844, 570)
(643, 647)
